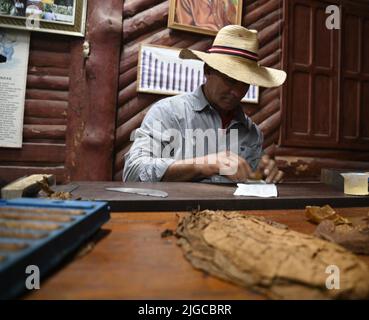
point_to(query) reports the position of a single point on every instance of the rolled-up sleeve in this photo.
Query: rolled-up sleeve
(144, 162)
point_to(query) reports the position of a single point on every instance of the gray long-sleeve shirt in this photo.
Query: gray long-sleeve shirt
(183, 127)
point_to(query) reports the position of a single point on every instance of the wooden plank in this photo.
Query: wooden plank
(49, 59)
(189, 196)
(35, 152)
(50, 42)
(46, 108)
(143, 22)
(45, 121)
(51, 71)
(133, 7)
(42, 94)
(271, 124)
(266, 111)
(48, 82)
(35, 131)
(131, 261)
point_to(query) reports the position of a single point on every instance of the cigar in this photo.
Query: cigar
(16, 234)
(9, 246)
(46, 211)
(29, 225)
(38, 217)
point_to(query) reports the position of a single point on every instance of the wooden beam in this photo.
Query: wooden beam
(93, 94)
(37, 131)
(133, 7)
(142, 22)
(35, 152)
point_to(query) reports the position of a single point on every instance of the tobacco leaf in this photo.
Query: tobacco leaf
(354, 237)
(44, 185)
(318, 214)
(267, 257)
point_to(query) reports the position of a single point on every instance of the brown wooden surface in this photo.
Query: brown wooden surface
(132, 261)
(93, 94)
(188, 196)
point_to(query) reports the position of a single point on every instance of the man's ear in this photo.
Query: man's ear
(207, 69)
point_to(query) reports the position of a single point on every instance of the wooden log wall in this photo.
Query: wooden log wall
(70, 108)
(145, 21)
(46, 108)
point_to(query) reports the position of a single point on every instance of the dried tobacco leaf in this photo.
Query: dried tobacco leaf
(354, 237)
(318, 214)
(268, 258)
(44, 185)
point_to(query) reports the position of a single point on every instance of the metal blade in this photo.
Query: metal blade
(141, 191)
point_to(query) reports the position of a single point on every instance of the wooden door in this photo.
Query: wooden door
(326, 99)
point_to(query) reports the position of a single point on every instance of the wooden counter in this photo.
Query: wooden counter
(188, 196)
(132, 261)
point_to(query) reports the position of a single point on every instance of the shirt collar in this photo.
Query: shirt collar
(202, 101)
(239, 116)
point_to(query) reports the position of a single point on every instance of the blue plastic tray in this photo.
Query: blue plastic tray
(43, 238)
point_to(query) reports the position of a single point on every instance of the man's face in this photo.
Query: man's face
(223, 91)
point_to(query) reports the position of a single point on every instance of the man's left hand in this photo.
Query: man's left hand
(269, 170)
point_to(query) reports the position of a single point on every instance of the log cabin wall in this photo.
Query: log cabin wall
(145, 21)
(70, 107)
(46, 109)
(80, 112)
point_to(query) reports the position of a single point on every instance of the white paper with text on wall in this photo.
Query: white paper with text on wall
(14, 52)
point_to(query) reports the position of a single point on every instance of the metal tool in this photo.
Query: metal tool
(141, 191)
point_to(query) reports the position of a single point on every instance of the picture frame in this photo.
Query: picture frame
(161, 71)
(188, 15)
(66, 17)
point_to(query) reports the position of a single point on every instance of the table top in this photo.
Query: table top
(130, 260)
(186, 196)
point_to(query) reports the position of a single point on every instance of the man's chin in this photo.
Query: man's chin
(229, 106)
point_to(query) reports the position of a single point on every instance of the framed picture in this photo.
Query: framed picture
(161, 71)
(55, 16)
(204, 16)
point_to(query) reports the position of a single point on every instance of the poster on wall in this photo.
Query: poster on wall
(161, 71)
(204, 16)
(14, 51)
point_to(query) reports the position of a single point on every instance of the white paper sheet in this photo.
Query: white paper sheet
(256, 190)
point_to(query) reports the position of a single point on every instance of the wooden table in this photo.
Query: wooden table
(188, 196)
(132, 261)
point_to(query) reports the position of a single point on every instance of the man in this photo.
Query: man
(166, 146)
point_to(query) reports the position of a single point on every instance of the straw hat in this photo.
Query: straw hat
(235, 53)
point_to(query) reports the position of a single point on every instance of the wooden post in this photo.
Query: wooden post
(93, 94)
